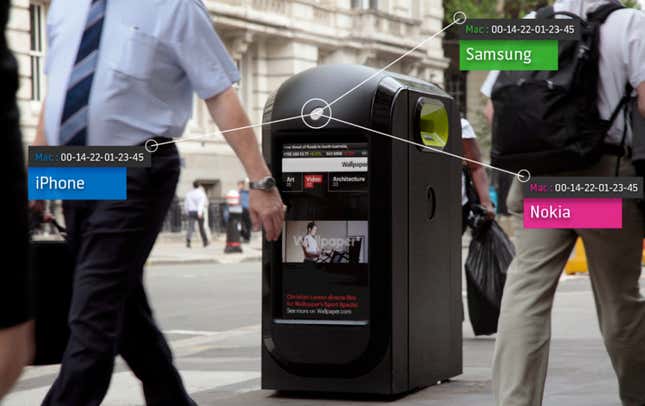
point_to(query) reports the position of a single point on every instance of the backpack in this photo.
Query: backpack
(548, 121)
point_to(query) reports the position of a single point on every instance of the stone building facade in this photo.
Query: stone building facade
(270, 40)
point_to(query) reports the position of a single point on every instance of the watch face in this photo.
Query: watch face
(269, 183)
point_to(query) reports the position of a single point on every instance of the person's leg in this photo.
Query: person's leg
(191, 228)
(141, 343)
(202, 231)
(145, 350)
(522, 345)
(116, 240)
(614, 258)
(109, 248)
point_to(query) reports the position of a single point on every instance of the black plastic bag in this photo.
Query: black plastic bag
(489, 255)
(52, 267)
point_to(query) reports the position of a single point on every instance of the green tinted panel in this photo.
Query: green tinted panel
(433, 124)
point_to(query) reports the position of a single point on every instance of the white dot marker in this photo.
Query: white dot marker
(316, 114)
(151, 145)
(459, 17)
(524, 175)
(319, 116)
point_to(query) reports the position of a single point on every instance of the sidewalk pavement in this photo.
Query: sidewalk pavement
(170, 249)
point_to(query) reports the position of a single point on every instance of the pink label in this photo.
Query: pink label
(573, 213)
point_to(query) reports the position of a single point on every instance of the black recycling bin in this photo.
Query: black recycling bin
(362, 293)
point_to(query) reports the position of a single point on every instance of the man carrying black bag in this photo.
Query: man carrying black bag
(490, 251)
(614, 255)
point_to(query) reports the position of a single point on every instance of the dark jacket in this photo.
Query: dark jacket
(14, 278)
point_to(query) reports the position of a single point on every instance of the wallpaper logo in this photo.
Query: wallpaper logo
(312, 180)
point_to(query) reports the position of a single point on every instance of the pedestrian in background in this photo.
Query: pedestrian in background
(246, 216)
(614, 255)
(122, 73)
(194, 206)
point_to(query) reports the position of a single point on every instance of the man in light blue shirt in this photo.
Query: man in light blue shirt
(122, 72)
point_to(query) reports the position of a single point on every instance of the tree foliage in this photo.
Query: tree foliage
(493, 8)
(504, 9)
(632, 4)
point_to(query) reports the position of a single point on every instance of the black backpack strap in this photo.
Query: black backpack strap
(601, 14)
(545, 13)
(622, 106)
(622, 103)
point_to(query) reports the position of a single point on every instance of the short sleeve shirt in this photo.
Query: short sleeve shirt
(152, 57)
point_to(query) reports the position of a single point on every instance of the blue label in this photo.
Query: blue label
(77, 183)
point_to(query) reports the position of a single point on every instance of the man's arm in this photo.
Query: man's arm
(40, 139)
(266, 208)
(478, 174)
(201, 205)
(489, 111)
(641, 98)
(16, 351)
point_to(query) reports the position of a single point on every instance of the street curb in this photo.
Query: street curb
(200, 261)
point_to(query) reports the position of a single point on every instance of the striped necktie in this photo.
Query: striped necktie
(73, 129)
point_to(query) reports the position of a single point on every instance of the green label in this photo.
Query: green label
(508, 55)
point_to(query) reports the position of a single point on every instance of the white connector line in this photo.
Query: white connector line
(419, 45)
(375, 74)
(302, 116)
(230, 130)
(423, 146)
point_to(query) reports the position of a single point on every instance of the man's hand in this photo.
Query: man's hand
(489, 209)
(641, 98)
(16, 351)
(39, 207)
(267, 210)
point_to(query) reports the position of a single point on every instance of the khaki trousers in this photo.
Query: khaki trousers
(614, 259)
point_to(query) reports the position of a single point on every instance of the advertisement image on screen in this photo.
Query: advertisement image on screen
(332, 242)
(325, 252)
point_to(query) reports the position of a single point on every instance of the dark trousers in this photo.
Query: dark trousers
(192, 218)
(110, 313)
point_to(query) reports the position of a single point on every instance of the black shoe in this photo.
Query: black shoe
(187, 243)
(207, 243)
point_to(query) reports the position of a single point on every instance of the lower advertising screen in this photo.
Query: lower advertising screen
(325, 238)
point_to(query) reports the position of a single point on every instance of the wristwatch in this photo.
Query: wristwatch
(267, 183)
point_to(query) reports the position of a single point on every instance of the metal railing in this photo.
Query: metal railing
(176, 220)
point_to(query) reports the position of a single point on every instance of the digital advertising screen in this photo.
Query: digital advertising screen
(325, 237)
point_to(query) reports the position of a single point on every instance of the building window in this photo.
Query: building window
(365, 4)
(37, 49)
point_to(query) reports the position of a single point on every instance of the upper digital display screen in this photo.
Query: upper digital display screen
(324, 167)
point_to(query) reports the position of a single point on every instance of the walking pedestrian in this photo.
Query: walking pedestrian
(614, 255)
(121, 73)
(16, 327)
(194, 205)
